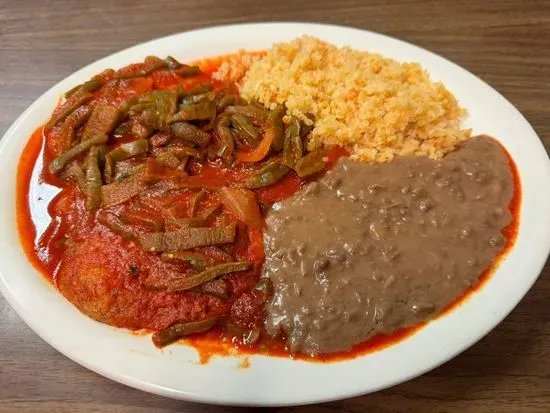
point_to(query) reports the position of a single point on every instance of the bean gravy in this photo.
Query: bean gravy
(372, 248)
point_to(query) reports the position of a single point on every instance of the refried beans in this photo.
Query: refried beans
(371, 248)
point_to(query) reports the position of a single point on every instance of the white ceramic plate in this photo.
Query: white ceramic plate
(275, 381)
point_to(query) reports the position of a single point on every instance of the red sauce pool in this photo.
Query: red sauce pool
(216, 342)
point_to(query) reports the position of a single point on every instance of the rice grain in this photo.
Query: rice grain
(375, 107)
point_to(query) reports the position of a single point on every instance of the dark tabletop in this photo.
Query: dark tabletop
(505, 42)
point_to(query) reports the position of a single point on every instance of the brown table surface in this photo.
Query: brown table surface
(506, 43)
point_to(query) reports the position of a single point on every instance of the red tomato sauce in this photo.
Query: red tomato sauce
(44, 252)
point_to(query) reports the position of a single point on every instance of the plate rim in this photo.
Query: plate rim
(160, 390)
